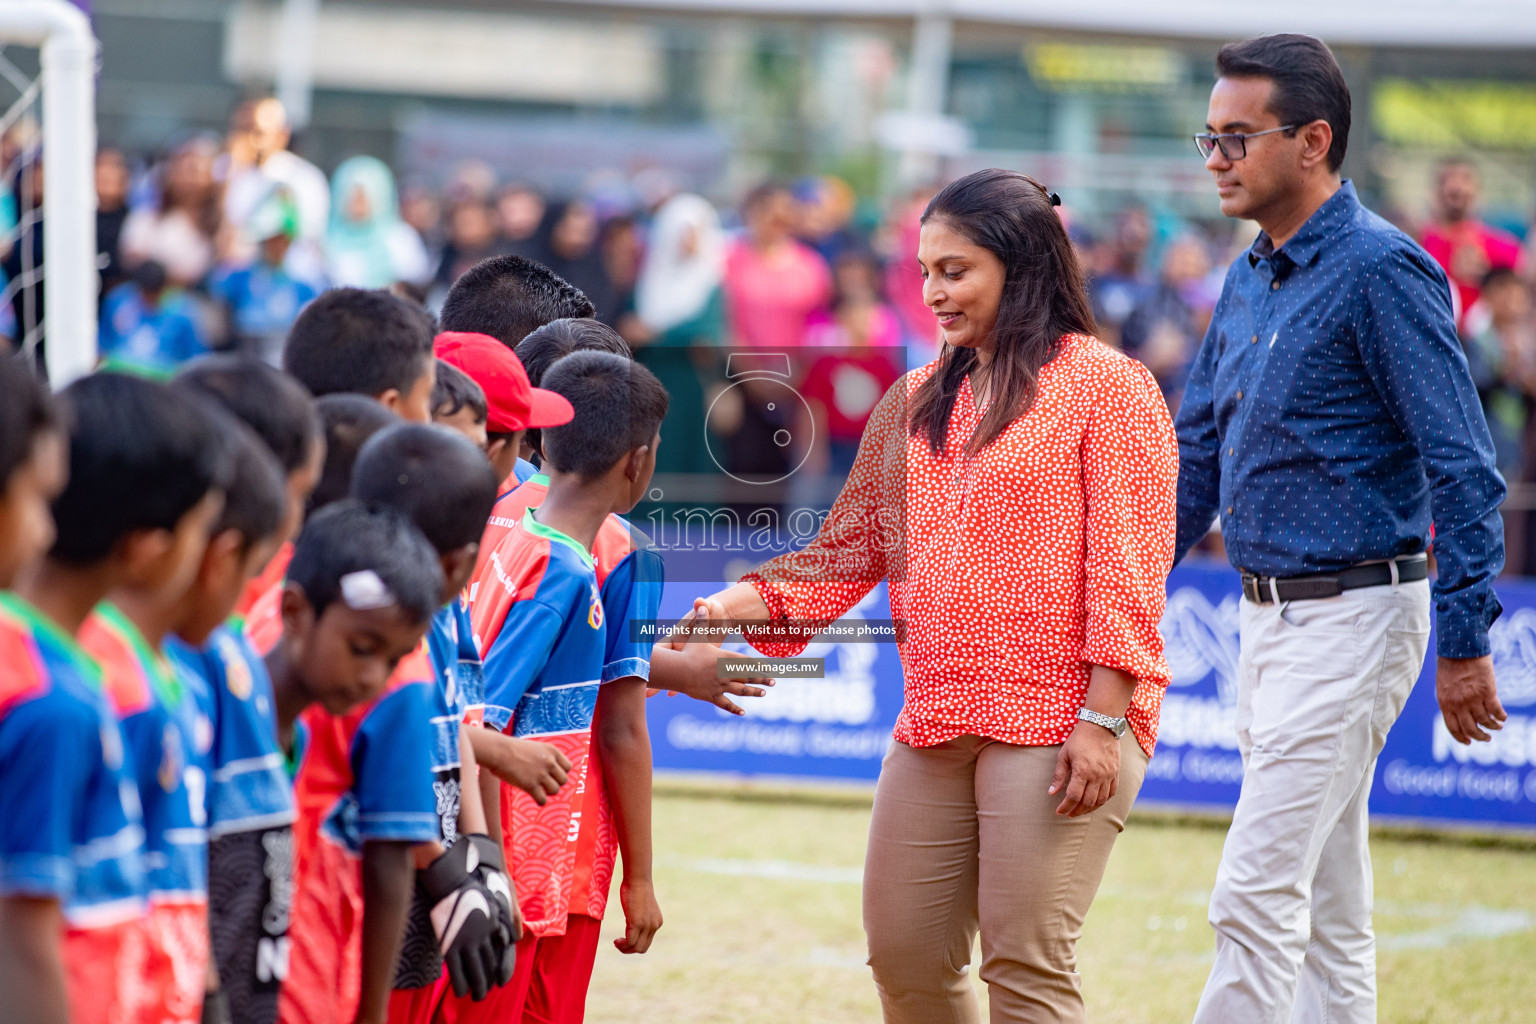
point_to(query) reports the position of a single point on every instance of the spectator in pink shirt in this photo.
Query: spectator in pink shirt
(772, 282)
(1461, 243)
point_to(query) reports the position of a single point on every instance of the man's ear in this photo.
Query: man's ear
(389, 398)
(298, 614)
(1316, 139)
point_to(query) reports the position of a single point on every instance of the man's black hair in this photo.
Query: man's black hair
(457, 390)
(26, 411)
(349, 421)
(359, 341)
(508, 297)
(435, 476)
(262, 397)
(619, 406)
(256, 496)
(558, 339)
(142, 454)
(1308, 85)
(348, 537)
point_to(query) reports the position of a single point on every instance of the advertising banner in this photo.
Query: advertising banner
(837, 728)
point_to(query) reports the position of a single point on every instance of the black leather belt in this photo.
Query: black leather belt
(1269, 589)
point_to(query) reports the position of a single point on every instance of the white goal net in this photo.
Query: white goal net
(47, 185)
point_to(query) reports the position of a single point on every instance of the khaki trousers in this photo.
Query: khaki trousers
(964, 836)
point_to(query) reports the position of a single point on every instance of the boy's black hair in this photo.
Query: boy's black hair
(508, 297)
(256, 497)
(432, 474)
(348, 420)
(359, 341)
(262, 397)
(26, 410)
(142, 454)
(1308, 85)
(457, 390)
(619, 406)
(348, 537)
(558, 339)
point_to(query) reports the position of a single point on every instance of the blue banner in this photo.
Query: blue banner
(837, 728)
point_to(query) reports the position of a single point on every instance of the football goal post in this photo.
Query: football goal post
(48, 146)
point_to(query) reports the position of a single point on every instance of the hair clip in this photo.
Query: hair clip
(1054, 198)
(363, 591)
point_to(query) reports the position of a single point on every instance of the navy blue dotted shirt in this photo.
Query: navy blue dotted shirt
(1330, 418)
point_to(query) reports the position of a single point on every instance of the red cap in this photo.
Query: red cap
(512, 402)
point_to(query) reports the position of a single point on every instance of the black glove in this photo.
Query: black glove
(467, 919)
(492, 873)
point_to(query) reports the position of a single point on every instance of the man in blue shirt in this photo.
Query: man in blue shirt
(1329, 421)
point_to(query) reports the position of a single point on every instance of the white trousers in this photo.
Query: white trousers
(1320, 683)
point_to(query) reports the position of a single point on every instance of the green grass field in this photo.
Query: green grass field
(761, 898)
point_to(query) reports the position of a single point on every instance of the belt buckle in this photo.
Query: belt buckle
(1251, 589)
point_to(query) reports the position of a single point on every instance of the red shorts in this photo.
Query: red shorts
(415, 1005)
(549, 985)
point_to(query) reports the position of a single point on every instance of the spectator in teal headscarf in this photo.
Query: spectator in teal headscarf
(367, 244)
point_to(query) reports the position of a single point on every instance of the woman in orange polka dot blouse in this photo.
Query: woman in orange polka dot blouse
(1018, 497)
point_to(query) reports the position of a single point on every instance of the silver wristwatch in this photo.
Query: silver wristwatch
(1114, 725)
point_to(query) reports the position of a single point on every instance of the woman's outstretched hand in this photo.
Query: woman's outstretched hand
(1088, 769)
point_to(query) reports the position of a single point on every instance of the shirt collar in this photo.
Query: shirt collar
(1305, 245)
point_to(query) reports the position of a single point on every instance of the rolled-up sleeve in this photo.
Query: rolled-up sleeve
(1130, 461)
(1407, 339)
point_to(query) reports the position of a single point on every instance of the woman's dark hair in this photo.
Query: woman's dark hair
(1308, 85)
(1012, 216)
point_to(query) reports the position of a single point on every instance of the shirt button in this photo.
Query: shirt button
(1274, 286)
(1254, 340)
(1231, 451)
(1239, 396)
(1229, 510)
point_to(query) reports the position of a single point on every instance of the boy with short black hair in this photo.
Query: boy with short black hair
(514, 405)
(354, 697)
(622, 576)
(368, 343)
(458, 403)
(348, 421)
(279, 410)
(509, 296)
(542, 624)
(445, 486)
(157, 515)
(66, 914)
(250, 806)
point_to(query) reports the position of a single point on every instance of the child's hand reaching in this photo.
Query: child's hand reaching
(642, 916)
(537, 769)
(695, 674)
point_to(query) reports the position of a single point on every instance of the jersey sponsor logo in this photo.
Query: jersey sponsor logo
(237, 674)
(595, 609)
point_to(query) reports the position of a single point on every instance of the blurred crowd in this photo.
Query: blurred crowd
(219, 242)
